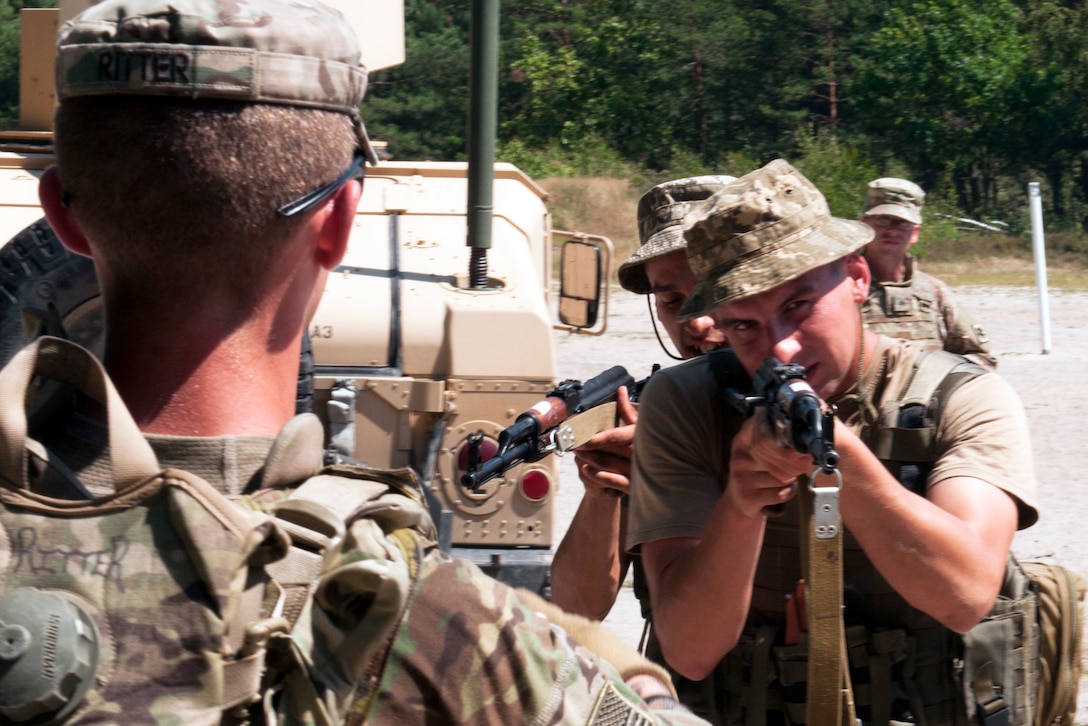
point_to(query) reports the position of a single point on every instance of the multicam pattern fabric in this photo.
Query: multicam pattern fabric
(257, 51)
(893, 197)
(494, 660)
(161, 654)
(389, 630)
(768, 227)
(661, 214)
(163, 622)
(922, 308)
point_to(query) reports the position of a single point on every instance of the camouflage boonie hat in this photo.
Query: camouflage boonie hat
(289, 52)
(895, 198)
(765, 229)
(661, 213)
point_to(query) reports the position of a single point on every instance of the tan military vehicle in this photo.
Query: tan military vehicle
(412, 352)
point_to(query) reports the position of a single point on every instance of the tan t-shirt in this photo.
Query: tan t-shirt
(683, 438)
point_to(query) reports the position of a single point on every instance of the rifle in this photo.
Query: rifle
(797, 415)
(547, 425)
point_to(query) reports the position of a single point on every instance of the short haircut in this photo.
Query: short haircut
(157, 184)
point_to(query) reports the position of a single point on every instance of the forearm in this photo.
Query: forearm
(701, 589)
(590, 564)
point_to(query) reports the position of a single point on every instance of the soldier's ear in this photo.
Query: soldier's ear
(58, 211)
(336, 221)
(857, 269)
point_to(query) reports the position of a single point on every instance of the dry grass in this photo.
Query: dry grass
(1007, 271)
(596, 206)
(607, 207)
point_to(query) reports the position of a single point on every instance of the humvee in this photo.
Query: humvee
(412, 352)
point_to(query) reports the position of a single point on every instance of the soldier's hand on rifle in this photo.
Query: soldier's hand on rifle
(604, 462)
(762, 473)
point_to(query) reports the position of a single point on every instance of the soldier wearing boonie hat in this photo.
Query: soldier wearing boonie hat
(785, 279)
(661, 213)
(659, 268)
(201, 156)
(905, 302)
(767, 228)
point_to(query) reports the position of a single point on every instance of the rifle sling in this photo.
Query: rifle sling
(829, 699)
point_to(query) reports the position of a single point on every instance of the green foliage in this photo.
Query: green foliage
(9, 56)
(840, 171)
(421, 107)
(9, 64)
(589, 156)
(939, 87)
(972, 99)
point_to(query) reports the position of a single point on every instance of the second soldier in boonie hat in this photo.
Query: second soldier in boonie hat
(661, 214)
(766, 228)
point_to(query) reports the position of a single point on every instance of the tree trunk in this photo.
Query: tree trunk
(698, 107)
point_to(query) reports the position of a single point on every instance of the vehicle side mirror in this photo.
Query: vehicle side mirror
(579, 283)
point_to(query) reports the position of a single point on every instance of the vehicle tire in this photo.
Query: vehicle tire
(37, 271)
(304, 400)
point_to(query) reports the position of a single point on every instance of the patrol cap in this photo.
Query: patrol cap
(661, 213)
(766, 228)
(893, 197)
(289, 52)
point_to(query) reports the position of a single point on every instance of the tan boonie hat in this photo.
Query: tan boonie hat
(893, 197)
(289, 52)
(765, 229)
(661, 213)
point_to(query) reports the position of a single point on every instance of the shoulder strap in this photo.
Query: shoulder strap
(358, 539)
(61, 361)
(906, 430)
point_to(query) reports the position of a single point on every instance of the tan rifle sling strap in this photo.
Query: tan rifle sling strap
(829, 696)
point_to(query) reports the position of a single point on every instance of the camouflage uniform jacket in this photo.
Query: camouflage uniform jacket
(922, 308)
(455, 646)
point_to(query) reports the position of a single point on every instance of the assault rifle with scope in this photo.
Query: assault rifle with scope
(570, 414)
(798, 417)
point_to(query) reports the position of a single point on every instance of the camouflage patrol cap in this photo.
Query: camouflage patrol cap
(768, 227)
(893, 197)
(661, 213)
(288, 52)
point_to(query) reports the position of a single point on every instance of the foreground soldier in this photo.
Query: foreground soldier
(785, 279)
(209, 158)
(590, 563)
(903, 301)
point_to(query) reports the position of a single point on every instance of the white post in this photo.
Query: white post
(1040, 261)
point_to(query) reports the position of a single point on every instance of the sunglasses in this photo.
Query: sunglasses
(311, 199)
(885, 222)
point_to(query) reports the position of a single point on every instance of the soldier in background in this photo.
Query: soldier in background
(590, 563)
(904, 302)
(215, 194)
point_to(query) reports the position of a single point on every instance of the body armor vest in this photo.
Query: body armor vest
(909, 309)
(163, 601)
(905, 666)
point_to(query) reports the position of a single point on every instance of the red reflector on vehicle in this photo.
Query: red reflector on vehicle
(535, 486)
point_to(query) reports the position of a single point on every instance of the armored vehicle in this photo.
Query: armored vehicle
(421, 340)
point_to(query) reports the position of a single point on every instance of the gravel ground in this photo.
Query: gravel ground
(1048, 383)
